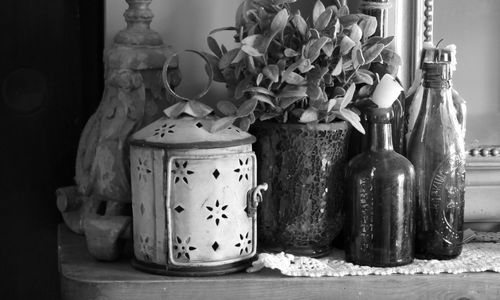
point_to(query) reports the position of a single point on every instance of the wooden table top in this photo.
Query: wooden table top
(82, 277)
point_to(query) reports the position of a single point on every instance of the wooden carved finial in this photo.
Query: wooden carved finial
(138, 17)
(428, 23)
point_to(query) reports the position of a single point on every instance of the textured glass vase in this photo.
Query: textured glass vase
(437, 150)
(380, 200)
(304, 165)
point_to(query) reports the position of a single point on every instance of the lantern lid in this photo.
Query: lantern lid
(189, 132)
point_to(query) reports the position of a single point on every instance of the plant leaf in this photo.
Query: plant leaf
(328, 48)
(299, 23)
(267, 116)
(362, 77)
(348, 20)
(251, 117)
(228, 58)
(343, 10)
(222, 124)
(314, 51)
(365, 91)
(212, 44)
(387, 40)
(290, 52)
(242, 86)
(251, 65)
(250, 50)
(239, 57)
(316, 75)
(350, 117)
(356, 33)
(214, 64)
(391, 57)
(227, 108)
(223, 49)
(346, 44)
(287, 101)
(313, 34)
(357, 57)
(244, 123)
(323, 20)
(314, 91)
(348, 96)
(309, 115)
(279, 22)
(260, 90)
(294, 78)
(369, 25)
(318, 9)
(259, 79)
(293, 91)
(331, 104)
(338, 68)
(378, 59)
(292, 68)
(254, 45)
(371, 53)
(338, 92)
(271, 72)
(230, 28)
(247, 107)
(264, 99)
(279, 2)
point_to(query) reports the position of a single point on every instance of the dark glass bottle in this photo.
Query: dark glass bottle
(437, 150)
(380, 205)
(414, 101)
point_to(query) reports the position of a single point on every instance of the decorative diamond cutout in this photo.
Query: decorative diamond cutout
(179, 209)
(215, 246)
(199, 125)
(216, 173)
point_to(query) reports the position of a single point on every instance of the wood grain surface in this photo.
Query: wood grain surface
(84, 278)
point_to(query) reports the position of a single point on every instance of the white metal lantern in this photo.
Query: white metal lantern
(194, 197)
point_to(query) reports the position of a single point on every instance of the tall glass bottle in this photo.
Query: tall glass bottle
(414, 101)
(380, 205)
(437, 150)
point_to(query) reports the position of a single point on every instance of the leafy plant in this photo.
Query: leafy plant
(295, 69)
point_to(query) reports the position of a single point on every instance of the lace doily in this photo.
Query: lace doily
(476, 257)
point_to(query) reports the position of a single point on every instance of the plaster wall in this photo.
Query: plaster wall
(471, 25)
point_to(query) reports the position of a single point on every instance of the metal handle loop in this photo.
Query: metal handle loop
(167, 84)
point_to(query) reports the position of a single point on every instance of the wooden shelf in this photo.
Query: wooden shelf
(82, 277)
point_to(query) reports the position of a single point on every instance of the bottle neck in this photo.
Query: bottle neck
(381, 136)
(437, 75)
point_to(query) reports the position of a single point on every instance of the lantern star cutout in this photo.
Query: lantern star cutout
(181, 172)
(217, 212)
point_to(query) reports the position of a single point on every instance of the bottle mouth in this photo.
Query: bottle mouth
(380, 115)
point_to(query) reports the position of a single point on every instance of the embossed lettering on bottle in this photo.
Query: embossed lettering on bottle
(366, 213)
(447, 198)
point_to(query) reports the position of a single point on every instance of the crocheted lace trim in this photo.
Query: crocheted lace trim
(479, 256)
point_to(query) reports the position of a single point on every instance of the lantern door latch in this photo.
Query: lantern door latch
(254, 197)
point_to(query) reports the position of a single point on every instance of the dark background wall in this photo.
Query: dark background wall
(50, 82)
